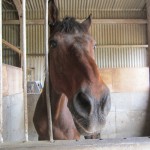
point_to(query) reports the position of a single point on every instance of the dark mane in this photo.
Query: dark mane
(68, 25)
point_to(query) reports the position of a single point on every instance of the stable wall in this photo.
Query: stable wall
(129, 116)
(130, 105)
(32, 100)
(13, 118)
(13, 104)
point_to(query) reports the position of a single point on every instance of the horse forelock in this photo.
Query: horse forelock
(68, 25)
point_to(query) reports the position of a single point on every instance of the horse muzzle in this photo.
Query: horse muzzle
(89, 114)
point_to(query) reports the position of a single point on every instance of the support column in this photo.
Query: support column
(148, 28)
(23, 30)
(18, 5)
(1, 85)
(47, 72)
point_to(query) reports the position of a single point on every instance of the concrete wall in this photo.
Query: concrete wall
(32, 100)
(13, 118)
(13, 104)
(12, 80)
(129, 116)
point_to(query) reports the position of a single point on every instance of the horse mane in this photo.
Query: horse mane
(69, 25)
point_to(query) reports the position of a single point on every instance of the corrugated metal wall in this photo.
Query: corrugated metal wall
(120, 34)
(121, 57)
(37, 14)
(35, 45)
(35, 39)
(11, 34)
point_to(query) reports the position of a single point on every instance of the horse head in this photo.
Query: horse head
(74, 72)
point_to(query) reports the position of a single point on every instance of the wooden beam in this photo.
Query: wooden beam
(14, 48)
(18, 7)
(17, 22)
(95, 21)
(36, 22)
(36, 54)
(123, 46)
(9, 22)
(119, 21)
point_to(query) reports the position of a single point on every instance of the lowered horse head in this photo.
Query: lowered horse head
(74, 72)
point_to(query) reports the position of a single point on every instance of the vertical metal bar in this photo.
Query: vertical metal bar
(148, 28)
(24, 68)
(47, 73)
(1, 96)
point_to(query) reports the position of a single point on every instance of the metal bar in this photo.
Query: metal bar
(148, 28)
(47, 73)
(24, 68)
(1, 96)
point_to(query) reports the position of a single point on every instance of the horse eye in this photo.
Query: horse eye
(94, 46)
(53, 44)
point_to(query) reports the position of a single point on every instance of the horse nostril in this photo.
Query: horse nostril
(105, 104)
(83, 103)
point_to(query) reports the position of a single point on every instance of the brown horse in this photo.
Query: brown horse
(80, 100)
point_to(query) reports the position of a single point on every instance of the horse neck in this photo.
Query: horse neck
(57, 102)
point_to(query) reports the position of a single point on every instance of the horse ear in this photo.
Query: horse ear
(87, 23)
(53, 12)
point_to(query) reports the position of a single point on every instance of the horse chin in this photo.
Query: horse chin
(83, 131)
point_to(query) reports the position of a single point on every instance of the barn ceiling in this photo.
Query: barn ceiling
(66, 5)
(100, 9)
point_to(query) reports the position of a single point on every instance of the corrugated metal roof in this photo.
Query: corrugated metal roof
(89, 4)
(34, 5)
(102, 8)
(100, 4)
(82, 8)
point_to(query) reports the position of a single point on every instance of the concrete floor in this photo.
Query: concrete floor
(111, 144)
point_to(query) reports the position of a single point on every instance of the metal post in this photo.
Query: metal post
(1, 96)
(148, 26)
(24, 68)
(47, 73)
